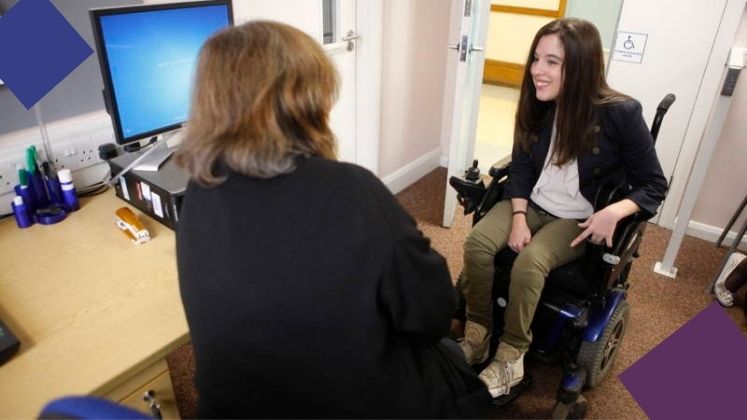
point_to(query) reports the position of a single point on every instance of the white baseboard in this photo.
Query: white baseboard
(413, 171)
(444, 162)
(711, 234)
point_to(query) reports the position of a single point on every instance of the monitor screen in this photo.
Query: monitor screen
(148, 56)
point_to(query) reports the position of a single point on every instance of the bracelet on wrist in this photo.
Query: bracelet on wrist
(524, 212)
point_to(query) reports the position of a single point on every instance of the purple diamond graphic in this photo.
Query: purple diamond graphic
(39, 49)
(697, 373)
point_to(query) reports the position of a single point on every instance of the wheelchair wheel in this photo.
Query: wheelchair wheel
(599, 357)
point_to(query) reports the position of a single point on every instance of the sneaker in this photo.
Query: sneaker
(725, 296)
(738, 276)
(505, 371)
(475, 343)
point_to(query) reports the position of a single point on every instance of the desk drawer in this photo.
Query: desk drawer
(155, 378)
(163, 394)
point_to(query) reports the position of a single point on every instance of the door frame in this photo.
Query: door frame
(460, 152)
(368, 63)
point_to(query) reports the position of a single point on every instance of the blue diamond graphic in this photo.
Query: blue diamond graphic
(39, 49)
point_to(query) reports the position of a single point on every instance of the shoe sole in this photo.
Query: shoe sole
(724, 304)
(513, 393)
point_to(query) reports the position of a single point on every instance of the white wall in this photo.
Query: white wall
(416, 35)
(726, 181)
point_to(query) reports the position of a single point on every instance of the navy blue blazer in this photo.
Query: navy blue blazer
(623, 152)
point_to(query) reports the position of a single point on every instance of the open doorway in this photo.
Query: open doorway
(511, 29)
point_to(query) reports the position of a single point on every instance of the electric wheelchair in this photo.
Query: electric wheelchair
(583, 314)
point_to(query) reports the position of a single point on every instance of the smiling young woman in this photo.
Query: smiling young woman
(573, 133)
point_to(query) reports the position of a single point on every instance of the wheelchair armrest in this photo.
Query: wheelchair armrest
(606, 195)
(500, 168)
(606, 264)
(469, 193)
(623, 236)
(472, 193)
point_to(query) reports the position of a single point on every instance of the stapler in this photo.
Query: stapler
(131, 226)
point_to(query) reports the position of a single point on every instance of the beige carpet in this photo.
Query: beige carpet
(659, 306)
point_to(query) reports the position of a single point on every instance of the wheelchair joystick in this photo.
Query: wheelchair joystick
(470, 189)
(472, 173)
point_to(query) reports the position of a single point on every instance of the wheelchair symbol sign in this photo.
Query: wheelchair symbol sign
(629, 46)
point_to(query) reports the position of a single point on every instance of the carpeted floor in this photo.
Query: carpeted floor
(659, 306)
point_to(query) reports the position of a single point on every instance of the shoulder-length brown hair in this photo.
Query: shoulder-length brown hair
(262, 96)
(584, 88)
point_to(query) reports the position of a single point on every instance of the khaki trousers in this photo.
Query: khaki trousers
(549, 248)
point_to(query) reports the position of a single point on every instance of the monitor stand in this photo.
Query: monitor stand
(154, 158)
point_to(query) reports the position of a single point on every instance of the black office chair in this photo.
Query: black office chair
(583, 314)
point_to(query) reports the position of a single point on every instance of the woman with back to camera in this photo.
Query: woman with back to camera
(573, 134)
(308, 290)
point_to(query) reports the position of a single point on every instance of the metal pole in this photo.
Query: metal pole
(695, 182)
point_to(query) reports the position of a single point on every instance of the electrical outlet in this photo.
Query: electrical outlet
(9, 175)
(75, 154)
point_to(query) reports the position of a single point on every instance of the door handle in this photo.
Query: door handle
(350, 37)
(472, 48)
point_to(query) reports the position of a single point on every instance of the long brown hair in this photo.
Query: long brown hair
(584, 88)
(262, 96)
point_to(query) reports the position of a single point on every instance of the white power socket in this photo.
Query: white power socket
(76, 154)
(9, 174)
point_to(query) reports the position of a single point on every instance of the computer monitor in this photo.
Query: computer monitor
(148, 56)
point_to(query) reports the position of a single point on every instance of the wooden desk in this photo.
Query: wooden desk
(95, 313)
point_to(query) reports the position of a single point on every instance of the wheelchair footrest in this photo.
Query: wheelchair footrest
(514, 393)
(571, 386)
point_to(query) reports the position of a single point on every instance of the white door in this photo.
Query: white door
(332, 23)
(469, 53)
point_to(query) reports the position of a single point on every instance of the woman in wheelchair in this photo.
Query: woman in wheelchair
(573, 134)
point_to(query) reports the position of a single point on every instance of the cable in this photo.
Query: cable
(97, 190)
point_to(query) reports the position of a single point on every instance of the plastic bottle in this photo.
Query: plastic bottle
(21, 212)
(69, 196)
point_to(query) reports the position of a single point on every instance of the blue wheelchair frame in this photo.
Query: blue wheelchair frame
(583, 313)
